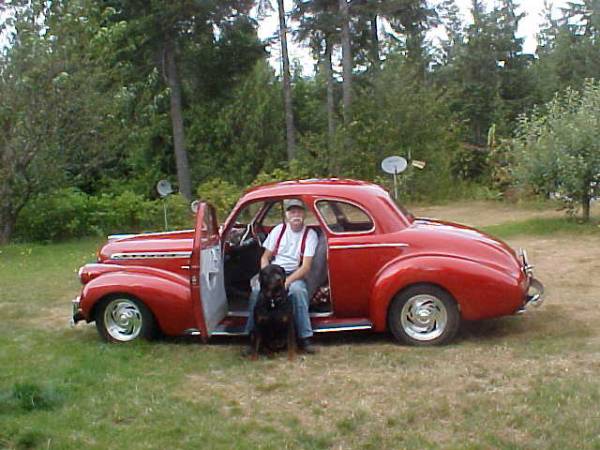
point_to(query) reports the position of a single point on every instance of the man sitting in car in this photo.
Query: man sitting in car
(292, 246)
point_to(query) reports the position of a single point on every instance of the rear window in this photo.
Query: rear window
(343, 217)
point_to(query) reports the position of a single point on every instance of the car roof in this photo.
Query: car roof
(316, 186)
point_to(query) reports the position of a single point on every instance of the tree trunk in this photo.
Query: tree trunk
(333, 166)
(346, 62)
(585, 205)
(287, 85)
(181, 156)
(374, 43)
(7, 224)
(330, 98)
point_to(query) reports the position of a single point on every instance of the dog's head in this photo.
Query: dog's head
(272, 281)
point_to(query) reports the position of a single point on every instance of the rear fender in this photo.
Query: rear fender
(481, 291)
(167, 295)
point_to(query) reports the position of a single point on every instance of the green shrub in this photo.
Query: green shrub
(179, 213)
(70, 213)
(58, 215)
(219, 193)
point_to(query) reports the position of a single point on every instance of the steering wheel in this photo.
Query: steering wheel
(244, 238)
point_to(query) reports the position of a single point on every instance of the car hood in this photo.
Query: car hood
(147, 244)
(465, 242)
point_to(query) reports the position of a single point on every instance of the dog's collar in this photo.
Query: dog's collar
(274, 301)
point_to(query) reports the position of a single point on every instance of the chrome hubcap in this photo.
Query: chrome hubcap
(424, 317)
(123, 320)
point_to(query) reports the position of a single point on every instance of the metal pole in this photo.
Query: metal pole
(395, 185)
(165, 211)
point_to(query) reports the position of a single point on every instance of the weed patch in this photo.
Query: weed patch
(29, 397)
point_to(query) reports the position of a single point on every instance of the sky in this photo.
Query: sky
(528, 28)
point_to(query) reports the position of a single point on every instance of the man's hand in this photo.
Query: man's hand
(265, 259)
(301, 272)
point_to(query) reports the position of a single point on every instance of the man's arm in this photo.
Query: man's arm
(301, 272)
(265, 259)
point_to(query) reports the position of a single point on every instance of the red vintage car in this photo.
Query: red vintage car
(376, 268)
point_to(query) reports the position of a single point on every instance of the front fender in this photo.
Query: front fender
(481, 291)
(167, 295)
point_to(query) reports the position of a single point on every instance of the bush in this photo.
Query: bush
(219, 193)
(70, 213)
(58, 215)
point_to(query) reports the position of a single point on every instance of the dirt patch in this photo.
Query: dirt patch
(481, 213)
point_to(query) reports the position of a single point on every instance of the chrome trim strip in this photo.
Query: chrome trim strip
(154, 233)
(315, 330)
(336, 247)
(150, 255)
(229, 333)
(112, 237)
(346, 328)
(192, 332)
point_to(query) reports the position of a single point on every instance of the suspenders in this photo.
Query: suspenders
(302, 245)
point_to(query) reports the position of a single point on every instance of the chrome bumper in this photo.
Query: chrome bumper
(76, 314)
(535, 296)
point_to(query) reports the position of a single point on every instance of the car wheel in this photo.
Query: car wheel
(123, 319)
(424, 315)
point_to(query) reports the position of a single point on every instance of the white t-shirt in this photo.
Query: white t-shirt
(288, 254)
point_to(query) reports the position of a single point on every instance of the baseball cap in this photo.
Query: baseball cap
(294, 202)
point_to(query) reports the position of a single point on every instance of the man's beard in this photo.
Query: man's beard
(296, 223)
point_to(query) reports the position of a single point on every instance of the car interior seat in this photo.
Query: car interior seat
(317, 276)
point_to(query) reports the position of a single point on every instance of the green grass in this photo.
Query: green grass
(517, 382)
(543, 227)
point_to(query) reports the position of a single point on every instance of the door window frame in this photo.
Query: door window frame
(342, 200)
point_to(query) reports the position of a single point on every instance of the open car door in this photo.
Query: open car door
(207, 281)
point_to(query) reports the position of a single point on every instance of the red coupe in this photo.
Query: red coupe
(376, 268)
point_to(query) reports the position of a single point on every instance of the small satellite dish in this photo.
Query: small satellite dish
(394, 164)
(194, 206)
(164, 188)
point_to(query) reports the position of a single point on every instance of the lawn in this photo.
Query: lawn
(518, 382)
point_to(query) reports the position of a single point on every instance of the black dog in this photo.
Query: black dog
(273, 314)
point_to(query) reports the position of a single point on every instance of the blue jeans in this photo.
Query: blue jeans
(299, 295)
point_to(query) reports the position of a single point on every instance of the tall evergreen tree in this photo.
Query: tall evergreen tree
(162, 31)
(287, 82)
(318, 25)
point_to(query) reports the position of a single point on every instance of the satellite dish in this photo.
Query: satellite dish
(394, 164)
(164, 188)
(194, 206)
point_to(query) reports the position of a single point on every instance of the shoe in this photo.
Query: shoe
(307, 346)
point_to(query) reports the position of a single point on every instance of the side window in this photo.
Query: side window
(342, 217)
(240, 226)
(274, 215)
(248, 213)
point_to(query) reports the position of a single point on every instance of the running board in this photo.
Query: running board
(246, 314)
(330, 326)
